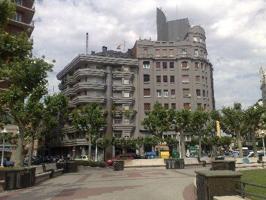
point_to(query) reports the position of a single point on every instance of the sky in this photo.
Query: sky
(235, 32)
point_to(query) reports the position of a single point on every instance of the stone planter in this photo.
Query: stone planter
(118, 165)
(223, 165)
(216, 183)
(174, 163)
(17, 178)
(70, 167)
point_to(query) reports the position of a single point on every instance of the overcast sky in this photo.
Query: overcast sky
(235, 31)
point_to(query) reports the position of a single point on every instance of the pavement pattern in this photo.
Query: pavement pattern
(106, 184)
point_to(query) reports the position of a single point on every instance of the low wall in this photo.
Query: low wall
(157, 162)
(229, 198)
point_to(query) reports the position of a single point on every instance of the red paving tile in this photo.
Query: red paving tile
(72, 194)
(189, 193)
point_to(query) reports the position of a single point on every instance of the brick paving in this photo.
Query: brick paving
(106, 184)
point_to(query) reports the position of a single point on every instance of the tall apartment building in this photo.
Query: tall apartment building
(22, 20)
(174, 72)
(109, 81)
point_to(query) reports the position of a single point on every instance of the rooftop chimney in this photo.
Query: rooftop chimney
(104, 49)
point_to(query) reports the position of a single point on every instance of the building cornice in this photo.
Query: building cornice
(96, 59)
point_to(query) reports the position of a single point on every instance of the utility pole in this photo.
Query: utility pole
(87, 43)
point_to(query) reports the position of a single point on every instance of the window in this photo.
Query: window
(159, 93)
(18, 17)
(164, 52)
(172, 79)
(204, 106)
(172, 92)
(198, 92)
(157, 52)
(201, 40)
(184, 65)
(126, 94)
(171, 52)
(147, 107)
(203, 93)
(201, 66)
(158, 65)
(199, 106)
(197, 78)
(186, 93)
(158, 79)
(166, 106)
(165, 80)
(196, 52)
(146, 78)
(187, 106)
(172, 65)
(173, 105)
(195, 39)
(125, 81)
(126, 69)
(19, 2)
(146, 65)
(185, 78)
(125, 107)
(196, 65)
(164, 65)
(184, 51)
(147, 92)
(165, 93)
(145, 51)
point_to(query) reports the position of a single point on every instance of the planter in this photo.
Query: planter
(16, 178)
(118, 165)
(70, 167)
(223, 165)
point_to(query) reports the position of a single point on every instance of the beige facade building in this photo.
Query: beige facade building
(175, 72)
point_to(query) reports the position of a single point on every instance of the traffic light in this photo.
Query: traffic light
(218, 129)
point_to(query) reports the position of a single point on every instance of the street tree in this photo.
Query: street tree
(199, 126)
(89, 120)
(234, 123)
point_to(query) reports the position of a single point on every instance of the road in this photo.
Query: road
(106, 184)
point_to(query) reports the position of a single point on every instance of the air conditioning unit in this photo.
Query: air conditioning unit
(189, 95)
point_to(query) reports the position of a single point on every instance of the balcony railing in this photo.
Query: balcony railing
(122, 74)
(88, 72)
(122, 87)
(123, 100)
(89, 85)
(87, 99)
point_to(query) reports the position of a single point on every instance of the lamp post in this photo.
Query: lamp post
(263, 143)
(3, 147)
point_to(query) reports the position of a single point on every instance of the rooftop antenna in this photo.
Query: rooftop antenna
(87, 43)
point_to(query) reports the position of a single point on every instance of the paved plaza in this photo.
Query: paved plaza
(106, 184)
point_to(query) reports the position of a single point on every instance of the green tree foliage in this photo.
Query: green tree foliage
(89, 120)
(25, 75)
(254, 119)
(157, 120)
(234, 123)
(200, 126)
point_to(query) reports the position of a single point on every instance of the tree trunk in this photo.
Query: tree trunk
(239, 144)
(19, 149)
(31, 150)
(200, 147)
(182, 144)
(89, 147)
(253, 139)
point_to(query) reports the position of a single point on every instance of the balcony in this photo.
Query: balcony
(69, 92)
(70, 80)
(122, 74)
(87, 99)
(69, 129)
(119, 125)
(89, 85)
(74, 142)
(119, 113)
(22, 25)
(88, 72)
(122, 87)
(123, 100)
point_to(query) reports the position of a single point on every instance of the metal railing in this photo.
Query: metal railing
(243, 190)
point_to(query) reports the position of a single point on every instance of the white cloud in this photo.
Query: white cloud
(235, 30)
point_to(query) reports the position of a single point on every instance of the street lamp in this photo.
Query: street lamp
(263, 143)
(3, 146)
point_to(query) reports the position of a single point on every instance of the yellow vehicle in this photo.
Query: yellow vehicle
(164, 154)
